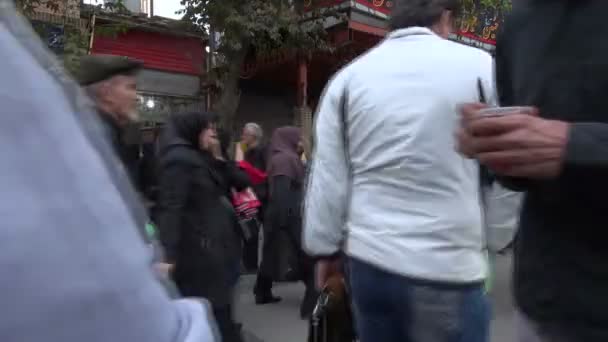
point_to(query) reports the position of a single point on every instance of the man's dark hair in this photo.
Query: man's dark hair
(422, 13)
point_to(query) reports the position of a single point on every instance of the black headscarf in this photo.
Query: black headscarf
(185, 128)
(284, 158)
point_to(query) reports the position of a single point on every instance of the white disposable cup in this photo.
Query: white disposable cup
(501, 111)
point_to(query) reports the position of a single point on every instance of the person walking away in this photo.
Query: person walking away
(286, 177)
(255, 154)
(197, 224)
(558, 157)
(388, 187)
(78, 269)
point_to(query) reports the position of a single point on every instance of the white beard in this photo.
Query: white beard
(133, 116)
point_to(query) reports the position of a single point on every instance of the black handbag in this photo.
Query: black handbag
(332, 319)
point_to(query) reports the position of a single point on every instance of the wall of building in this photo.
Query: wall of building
(163, 82)
(171, 79)
(271, 108)
(134, 6)
(159, 51)
(69, 8)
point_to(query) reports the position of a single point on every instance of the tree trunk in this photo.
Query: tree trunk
(228, 101)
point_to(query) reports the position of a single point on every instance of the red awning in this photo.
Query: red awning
(377, 31)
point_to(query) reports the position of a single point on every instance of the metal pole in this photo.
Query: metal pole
(151, 8)
(210, 63)
(92, 38)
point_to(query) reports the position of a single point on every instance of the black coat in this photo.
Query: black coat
(198, 226)
(548, 56)
(257, 157)
(128, 155)
(283, 229)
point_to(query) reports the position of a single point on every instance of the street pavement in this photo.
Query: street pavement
(281, 322)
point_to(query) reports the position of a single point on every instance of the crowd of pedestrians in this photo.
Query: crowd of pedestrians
(423, 151)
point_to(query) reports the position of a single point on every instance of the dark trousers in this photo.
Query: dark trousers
(282, 252)
(250, 247)
(230, 331)
(270, 267)
(392, 308)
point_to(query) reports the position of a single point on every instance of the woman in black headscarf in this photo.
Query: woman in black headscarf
(283, 216)
(197, 224)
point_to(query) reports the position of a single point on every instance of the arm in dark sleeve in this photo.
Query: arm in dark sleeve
(587, 150)
(263, 157)
(237, 178)
(587, 147)
(281, 192)
(175, 183)
(504, 84)
(506, 97)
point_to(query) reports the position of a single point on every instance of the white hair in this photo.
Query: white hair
(255, 130)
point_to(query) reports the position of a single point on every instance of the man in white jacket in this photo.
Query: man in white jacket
(73, 265)
(388, 187)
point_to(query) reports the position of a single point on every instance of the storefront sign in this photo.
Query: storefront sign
(480, 22)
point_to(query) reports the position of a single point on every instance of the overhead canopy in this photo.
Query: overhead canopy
(477, 26)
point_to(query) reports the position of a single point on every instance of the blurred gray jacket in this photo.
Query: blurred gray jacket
(72, 263)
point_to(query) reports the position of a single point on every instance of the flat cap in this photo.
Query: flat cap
(97, 68)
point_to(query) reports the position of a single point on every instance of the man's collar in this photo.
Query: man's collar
(411, 31)
(108, 119)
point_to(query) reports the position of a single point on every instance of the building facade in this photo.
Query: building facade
(173, 58)
(284, 89)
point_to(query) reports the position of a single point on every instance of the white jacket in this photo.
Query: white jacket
(501, 210)
(402, 198)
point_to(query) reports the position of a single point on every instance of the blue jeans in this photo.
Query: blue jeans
(392, 308)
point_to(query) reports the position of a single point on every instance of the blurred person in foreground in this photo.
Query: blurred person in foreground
(74, 266)
(283, 216)
(388, 187)
(551, 56)
(198, 225)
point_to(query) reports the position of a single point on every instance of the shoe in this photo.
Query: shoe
(266, 299)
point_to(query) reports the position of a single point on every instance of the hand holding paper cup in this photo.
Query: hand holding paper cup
(479, 120)
(502, 111)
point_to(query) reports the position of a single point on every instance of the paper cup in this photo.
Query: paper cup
(501, 111)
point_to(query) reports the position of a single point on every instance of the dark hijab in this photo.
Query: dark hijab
(284, 158)
(185, 128)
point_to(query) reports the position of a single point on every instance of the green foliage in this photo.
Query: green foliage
(28, 6)
(264, 25)
(76, 39)
(76, 46)
(254, 27)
